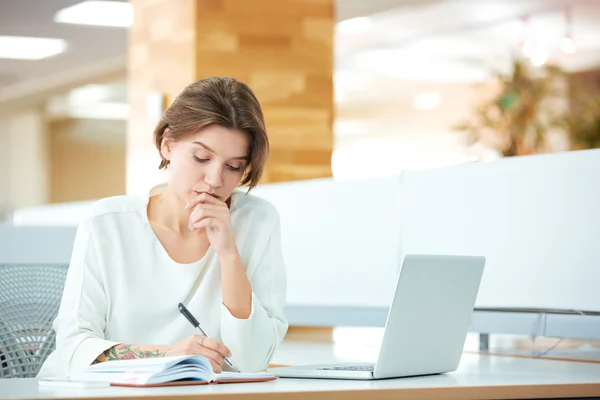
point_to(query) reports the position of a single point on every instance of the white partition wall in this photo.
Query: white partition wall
(64, 214)
(36, 245)
(341, 240)
(536, 219)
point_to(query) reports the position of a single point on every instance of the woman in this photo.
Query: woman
(195, 241)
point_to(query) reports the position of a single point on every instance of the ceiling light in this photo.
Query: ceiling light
(30, 48)
(354, 26)
(539, 56)
(98, 13)
(527, 48)
(427, 101)
(89, 94)
(567, 45)
(107, 110)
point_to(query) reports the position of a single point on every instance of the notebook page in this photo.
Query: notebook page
(116, 377)
(150, 364)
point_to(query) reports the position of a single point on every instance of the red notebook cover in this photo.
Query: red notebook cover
(190, 383)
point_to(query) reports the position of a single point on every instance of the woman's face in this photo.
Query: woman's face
(213, 160)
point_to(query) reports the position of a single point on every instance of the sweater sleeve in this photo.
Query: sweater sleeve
(81, 318)
(253, 340)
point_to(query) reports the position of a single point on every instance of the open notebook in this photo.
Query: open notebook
(164, 371)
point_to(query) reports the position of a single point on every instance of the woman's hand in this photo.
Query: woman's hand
(213, 215)
(212, 349)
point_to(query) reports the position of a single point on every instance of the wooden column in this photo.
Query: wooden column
(283, 49)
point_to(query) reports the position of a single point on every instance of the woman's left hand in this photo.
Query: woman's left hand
(213, 215)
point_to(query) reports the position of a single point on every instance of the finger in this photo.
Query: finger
(204, 210)
(216, 367)
(199, 214)
(217, 346)
(202, 214)
(204, 198)
(212, 355)
(197, 346)
(207, 223)
(207, 206)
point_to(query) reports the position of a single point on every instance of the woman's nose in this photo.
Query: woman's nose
(214, 176)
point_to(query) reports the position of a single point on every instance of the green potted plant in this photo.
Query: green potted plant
(517, 119)
(582, 124)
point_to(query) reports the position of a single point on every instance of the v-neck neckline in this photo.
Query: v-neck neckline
(157, 190)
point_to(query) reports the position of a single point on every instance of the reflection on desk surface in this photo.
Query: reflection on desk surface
(478, 376)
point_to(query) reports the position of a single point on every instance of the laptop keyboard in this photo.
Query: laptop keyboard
(350, 368)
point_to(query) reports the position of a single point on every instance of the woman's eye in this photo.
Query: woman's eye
(200, 160)
(205, 160)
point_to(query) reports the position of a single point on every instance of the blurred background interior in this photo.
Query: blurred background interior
(411, 82)
(351, 89)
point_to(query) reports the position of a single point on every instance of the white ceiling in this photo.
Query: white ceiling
(458, 41)
(423, 42)
(90, 49)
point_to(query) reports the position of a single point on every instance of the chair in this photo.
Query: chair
(30, 296)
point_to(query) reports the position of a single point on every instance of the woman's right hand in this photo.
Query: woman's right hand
(212, 349)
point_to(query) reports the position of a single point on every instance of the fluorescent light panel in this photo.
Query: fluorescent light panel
(427, 101)
(30, 48)
(97, 13)
(354, 26)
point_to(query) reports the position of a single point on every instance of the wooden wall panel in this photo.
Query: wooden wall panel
(283, 49)
(161, 60)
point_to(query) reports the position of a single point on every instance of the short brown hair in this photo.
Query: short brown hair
(223, 101)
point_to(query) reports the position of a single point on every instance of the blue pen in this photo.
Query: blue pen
(188, 315)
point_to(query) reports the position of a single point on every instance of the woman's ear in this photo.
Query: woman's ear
(165, 148)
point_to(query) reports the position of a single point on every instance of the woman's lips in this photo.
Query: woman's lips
(210, 194)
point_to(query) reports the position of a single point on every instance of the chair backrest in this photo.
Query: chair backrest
(30, 296)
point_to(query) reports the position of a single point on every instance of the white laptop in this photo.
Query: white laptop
(427, 323)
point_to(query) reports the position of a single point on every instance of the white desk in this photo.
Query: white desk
(478, 377)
